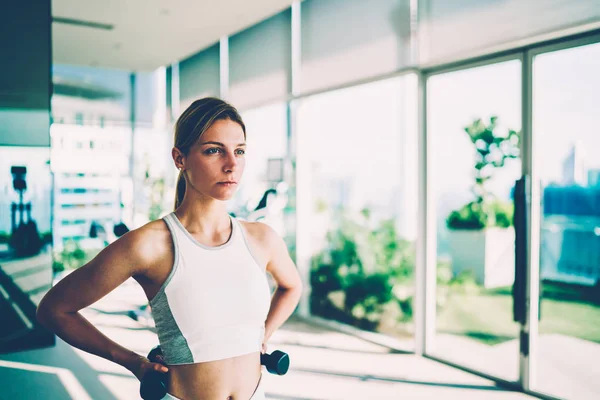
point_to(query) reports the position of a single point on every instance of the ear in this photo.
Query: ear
(178, 158)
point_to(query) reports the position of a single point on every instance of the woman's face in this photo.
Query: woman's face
(215, 163)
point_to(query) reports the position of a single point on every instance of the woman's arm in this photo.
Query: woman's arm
(289, 284)
(59, 309)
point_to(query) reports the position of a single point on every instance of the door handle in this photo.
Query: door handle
(520, 221)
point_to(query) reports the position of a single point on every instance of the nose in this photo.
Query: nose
(231, 162)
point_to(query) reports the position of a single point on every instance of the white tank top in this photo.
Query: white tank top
(214, 303)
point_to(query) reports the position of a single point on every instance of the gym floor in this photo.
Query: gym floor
(325, 364)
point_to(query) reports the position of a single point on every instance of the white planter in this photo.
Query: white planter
(489, 253)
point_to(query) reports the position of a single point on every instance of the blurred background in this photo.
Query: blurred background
(387, 141)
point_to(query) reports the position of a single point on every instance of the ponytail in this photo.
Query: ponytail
(180, 189)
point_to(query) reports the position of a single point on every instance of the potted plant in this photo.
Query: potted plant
(481, 238)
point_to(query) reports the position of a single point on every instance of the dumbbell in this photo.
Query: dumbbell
(277, 362)
(154, 383)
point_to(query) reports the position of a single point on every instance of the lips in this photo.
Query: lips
(228, 183)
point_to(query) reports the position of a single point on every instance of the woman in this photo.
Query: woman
(202, 271)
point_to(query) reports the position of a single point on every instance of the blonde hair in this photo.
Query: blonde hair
(196, 120)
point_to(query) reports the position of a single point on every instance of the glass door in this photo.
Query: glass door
(566, 156)
(357, 161)
(473, 140)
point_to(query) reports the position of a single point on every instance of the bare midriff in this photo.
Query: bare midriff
(230, 379)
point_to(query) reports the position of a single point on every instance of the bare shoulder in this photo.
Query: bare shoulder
(148, 245)
(139, 253)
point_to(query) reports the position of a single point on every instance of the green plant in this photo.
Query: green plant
(503, 212)
(365, 275)
(72, 256)
(492, 150)
(364, 272)
(470, 216)
(57, 266)
(476, 215)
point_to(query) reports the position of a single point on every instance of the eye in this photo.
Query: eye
(212, 150)
(240, 152)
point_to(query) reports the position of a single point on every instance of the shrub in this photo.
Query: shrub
(362, 273)
(492, 150)
(479, 216)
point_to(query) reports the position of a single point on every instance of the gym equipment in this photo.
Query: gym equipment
(153, 386)
(25, 239)
(154, 383)
(277, 362)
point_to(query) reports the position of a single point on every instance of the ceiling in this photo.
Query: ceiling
(142, 35)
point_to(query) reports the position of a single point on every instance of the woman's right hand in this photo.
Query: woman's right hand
(143, 366)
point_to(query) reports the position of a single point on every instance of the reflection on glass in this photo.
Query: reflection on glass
(90, 170)
(91, 96)
(359, 145)
(473, 130)
(565, 109)
(94, 192)
(25, 245)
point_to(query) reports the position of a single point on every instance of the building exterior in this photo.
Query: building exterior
(574, 166)
(570, 250)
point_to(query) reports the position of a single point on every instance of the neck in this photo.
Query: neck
(205, 216)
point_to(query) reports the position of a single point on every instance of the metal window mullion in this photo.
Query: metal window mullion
(528, 356)
(132, 121)
(296, 48)
(425, 274)
(175, 95)
(293, 74)
(302, 168)
(224, 67)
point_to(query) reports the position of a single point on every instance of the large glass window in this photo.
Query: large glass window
(25, 245)
(154, 173)
(107, 170)
(474, 123)
(85, 95)
(567, 143)
(357, 151)
(263, 193)
(91, 144)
